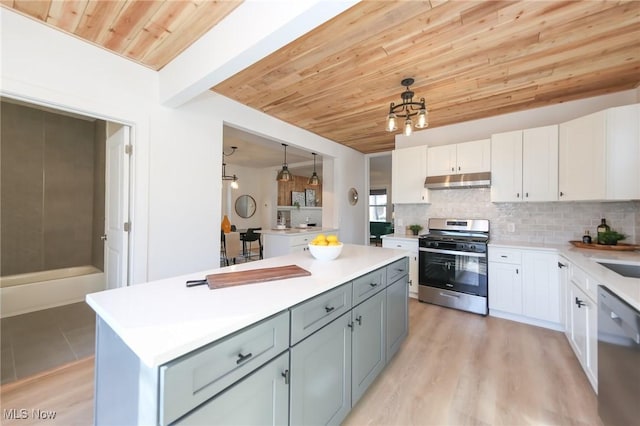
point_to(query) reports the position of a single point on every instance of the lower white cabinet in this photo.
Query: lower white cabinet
(279, 243)
(524, 286)
(410, 244)
(262, 398)
(582, 325)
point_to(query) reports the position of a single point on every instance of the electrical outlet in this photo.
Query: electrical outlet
(511, 227)
(400, 222)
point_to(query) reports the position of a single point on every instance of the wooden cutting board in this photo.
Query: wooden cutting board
(617, 247)
(230, 279)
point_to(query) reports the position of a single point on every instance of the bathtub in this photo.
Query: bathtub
(34, 291)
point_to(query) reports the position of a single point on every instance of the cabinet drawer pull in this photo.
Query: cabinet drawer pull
(373, 284)
(561, 265)
(503, 256)
(359, 319)
(329, 309)
(350, 325)
(517, 195)
(243, 358)
(285, 374)
(580, 303)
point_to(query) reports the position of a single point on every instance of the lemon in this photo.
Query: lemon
(332, 238)
(322, 243)
(333, 243)
(320, 237)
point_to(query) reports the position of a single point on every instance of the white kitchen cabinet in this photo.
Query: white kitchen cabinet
(408, 171)
(278, 243)
(599, 156)
(583, 331)
(524, 165)
(541, 287)
(410, 244)
(524, 286)
(466, 157)
(505, 287)
(563, 280)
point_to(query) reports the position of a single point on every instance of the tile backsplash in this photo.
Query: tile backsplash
(551, 222)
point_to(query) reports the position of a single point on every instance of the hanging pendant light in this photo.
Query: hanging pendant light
(234, 178)
(407, 109)
(284, 175)
(314, 180)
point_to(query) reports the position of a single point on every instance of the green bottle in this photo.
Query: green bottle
(602, 228)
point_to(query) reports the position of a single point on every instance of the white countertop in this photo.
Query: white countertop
(627, 289)
(297, 231)
(164, 319)
(401, 237)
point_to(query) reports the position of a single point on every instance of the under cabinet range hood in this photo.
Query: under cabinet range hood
(463, 180)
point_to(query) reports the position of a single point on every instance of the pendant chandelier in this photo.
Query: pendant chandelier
(314, 180)
(284, 175)
(407, 109)
(234, 178)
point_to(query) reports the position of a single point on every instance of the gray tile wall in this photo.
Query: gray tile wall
(97, 245)
(47, 190)
(553, 222)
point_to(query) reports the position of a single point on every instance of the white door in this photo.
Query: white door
(117, 210)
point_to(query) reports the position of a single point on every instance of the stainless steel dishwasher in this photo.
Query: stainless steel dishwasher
(618, 360)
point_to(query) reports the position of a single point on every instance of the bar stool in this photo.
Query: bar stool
(249, 237)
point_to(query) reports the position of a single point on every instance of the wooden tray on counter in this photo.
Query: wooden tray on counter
(617, 247)
(230, 279)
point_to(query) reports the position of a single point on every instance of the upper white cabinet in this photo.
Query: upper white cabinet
(408, 171)
(524, 165)
(467, 157)
(600, 156)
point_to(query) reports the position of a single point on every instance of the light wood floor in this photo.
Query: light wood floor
(458, 368)
(455, 368)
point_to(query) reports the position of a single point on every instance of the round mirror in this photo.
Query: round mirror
(352, 196)
(245, 206)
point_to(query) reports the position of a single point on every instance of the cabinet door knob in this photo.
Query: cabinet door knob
(373, 284)
(453, 169)
(580, 303)
(285, 374)
(526, 194)
(561, 265)
(359, 319)
(329, 308)
(561, 193)
(517, 195)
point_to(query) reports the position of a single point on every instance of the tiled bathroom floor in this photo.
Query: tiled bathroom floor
(38, 341)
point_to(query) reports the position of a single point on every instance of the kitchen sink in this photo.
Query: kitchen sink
(624, 269)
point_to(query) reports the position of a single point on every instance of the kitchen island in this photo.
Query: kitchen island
(278, 242)
(169, 353)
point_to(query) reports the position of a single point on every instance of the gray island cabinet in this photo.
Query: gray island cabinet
(299, 351)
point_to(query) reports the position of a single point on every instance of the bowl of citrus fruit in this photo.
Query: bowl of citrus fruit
(325, 247)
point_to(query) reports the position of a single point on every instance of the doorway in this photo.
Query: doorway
(62, 184)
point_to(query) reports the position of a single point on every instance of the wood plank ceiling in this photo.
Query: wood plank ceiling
(150, 32)
(469, 59)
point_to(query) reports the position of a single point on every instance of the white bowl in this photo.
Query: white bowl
(325, 252)
(281, 226)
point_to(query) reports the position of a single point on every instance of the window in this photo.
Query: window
(378, 205)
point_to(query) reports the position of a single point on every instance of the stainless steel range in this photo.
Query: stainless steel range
(453, 264)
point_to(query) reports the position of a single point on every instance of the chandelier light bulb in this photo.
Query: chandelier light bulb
(408, 127)
(391, 122)
(422, 119)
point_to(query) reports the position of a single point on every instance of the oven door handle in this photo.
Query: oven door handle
(460, 253)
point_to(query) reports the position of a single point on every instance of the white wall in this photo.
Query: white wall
(48, 67)
(177, 160)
